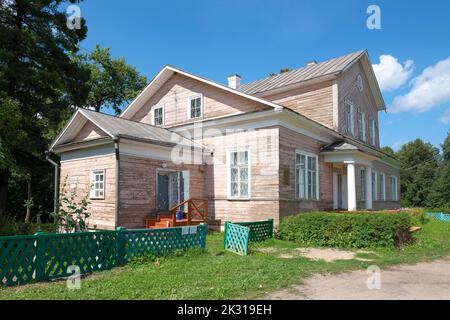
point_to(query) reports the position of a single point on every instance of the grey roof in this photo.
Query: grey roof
(123, 128)
(329, 67)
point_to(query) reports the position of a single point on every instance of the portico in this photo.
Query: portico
(352, 168)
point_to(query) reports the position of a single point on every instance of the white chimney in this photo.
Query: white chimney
(311, 63)
(234, 81)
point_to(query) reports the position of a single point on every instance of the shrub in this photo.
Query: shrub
(11, 227)
(349, 230)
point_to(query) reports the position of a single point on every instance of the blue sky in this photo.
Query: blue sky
(256, 37)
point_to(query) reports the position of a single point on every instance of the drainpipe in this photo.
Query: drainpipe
(116, 149)
(56, 191)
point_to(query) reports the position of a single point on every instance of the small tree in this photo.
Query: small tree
(72, 215)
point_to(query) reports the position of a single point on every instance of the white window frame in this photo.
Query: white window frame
(372, 131)
(189, 106)
(394, 190)
(361, 123)
(374, 185)
(349, 102)
(362, 181)
(161, 106)
(382, 187)
(249, 173)
(95, 172)
(306, 187)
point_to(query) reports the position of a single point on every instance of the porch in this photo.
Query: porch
(355, 183)
(190, 212)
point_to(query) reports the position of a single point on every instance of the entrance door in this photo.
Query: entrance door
(162, 197)
(339, 187)
(172, 188)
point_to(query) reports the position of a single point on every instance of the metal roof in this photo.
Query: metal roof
(120, 127)
(329, 67)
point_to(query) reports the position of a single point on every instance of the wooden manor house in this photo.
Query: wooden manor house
(190, 150)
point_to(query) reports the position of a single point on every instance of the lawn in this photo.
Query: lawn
(215, 274)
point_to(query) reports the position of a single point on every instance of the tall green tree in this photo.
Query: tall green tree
(112, 82)
(440, 191)
(39, 84)
(419, 162)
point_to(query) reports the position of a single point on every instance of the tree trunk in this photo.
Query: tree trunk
(27, 216)
(3, 190)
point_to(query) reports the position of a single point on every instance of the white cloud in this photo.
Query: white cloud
(445, 118)
(430, 89)
(391, 74)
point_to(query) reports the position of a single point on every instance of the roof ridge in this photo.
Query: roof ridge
(281, 77)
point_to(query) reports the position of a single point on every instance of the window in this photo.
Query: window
(382, 187)
(362, 180)
(359, 83)
(306, 176)
(372, 131)
(361, 126)
(394, 186)
(97, 184)
(374, 186)
(239, 174)
(348, 116)
(158, 116)
(195, 107)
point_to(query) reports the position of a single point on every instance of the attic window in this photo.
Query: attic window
(195, 107)
(158, 116)
(359, 83)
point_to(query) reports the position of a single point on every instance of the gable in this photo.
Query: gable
(88, 132)
(175, 95)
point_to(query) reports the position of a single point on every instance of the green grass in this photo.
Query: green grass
(215, 274)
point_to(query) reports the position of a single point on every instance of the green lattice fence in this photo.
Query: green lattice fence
(161, 241)
(236, 238)
(40, 257)
(17, 259)
(259, 230)
(439, 216)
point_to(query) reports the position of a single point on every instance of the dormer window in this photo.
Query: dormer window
(158, 116)
(195, 107)
(359, 83)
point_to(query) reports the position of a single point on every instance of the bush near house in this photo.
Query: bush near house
(12, 227)
(351, 230)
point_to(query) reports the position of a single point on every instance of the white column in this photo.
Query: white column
(351, 186)
(335, 191)
(369, 188)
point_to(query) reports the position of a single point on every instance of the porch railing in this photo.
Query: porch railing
(197, 209)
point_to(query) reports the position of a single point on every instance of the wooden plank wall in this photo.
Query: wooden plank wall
(77, 175)
(138, 187)
(315, 102)
(290, 141)
(175, 94)
(361, 100)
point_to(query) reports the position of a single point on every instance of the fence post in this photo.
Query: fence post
(225, 235)
(40, 256)
(271, 227)
(120, 246)
(203, 238)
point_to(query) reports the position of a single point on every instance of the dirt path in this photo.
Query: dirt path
(429, 280)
